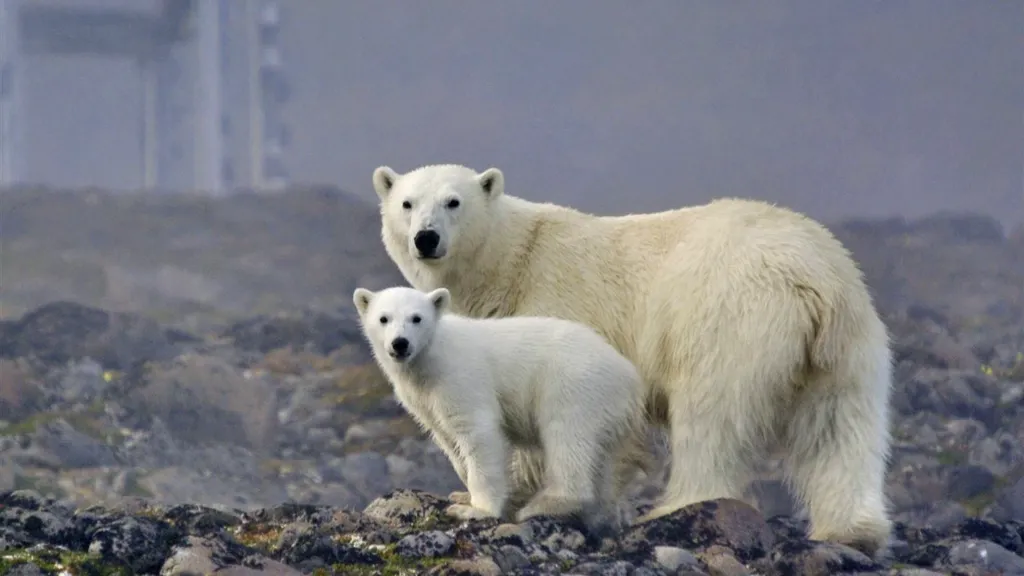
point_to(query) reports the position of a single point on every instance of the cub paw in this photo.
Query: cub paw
(466, 512)
(460, 498)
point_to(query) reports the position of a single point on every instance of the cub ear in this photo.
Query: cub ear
(362, 298)
(383, 180)
(492, 181)
(441, 298)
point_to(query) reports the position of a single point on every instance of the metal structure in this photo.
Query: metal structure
(212, 77)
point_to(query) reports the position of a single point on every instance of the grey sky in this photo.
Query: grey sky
(834, 107)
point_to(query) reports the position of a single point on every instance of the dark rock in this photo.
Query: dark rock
(1011, 502)
(304, 547)
(989, 556)
(313, 331)
(1004, 535)
(195, 519)
(140, 543)
(407, 507)
(958, 228)
(969, 481)
(61, 331)
(430, 544)
(70, 448)
(815, 559)
(724, 522)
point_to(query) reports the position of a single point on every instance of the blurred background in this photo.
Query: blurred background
(186, 207)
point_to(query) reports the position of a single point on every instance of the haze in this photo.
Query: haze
(837, 108)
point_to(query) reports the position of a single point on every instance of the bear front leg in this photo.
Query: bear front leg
(447, 445)
(486, 451)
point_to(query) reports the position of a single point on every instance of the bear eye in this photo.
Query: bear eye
(453, 203)
(416, 319)
(383, 319)
(407, 205)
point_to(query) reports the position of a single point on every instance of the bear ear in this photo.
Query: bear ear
(383, 180)
(492, 181)
(440, 298)
(362, 298)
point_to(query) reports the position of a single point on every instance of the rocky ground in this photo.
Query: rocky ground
(228, 437)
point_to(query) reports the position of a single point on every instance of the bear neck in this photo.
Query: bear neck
(493, 287)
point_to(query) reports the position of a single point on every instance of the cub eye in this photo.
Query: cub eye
(416, 319)
(453, 204)
(383, 319)
(407, 205)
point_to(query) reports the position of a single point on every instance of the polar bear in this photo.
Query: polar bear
(750, 324)
(491, 389)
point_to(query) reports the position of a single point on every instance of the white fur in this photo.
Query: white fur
(750, 324)
(484, 388)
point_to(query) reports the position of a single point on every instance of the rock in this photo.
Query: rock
(259, 567)
(1011, 502)
(318, 332)
(26, 569)
(204, 399)
(306, 548)
(367, 472)
(8, 474)
(984, 554)
(406, 507)
(725, 522)
(429, 544)
(721, 562)
(69, 448)
(58, 332)
(194, 556)
(672, 558)
(818, 559)
(968, 481)
(201, 519)
(510, 558)
(483, 566)
(139, 542)
(20, 391)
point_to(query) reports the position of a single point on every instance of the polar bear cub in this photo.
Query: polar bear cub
(485, 388)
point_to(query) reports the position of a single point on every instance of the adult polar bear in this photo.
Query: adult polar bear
(751, 324)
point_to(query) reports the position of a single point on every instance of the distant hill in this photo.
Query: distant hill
(186, 257)
(193, 261)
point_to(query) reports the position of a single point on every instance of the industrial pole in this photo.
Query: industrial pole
(252, 43)
(12, 102)
(209, 149)
(150, 124)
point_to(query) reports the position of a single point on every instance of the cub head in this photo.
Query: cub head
(435, 212)
(399, 322)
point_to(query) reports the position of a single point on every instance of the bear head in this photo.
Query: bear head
(399, 322)
(435, 212)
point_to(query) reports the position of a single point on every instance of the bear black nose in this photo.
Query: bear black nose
(400, 346)
(426, 242)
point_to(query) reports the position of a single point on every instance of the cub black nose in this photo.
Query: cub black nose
(426, 242)
(400, 346)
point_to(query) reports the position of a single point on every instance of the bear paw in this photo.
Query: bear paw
(466, 512)
(594, 518)
(460, 497)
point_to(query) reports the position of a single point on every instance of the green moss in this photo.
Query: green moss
(951, 457)
(53, 561)
(975, 506)
(43, 486)
(394, 565)
(134, 487)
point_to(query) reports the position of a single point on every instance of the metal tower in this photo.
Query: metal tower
(212, 80)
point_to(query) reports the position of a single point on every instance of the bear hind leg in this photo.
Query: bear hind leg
(713, 444)
(573, 474)
(837, 445)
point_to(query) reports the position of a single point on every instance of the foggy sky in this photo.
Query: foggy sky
(834, 107)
